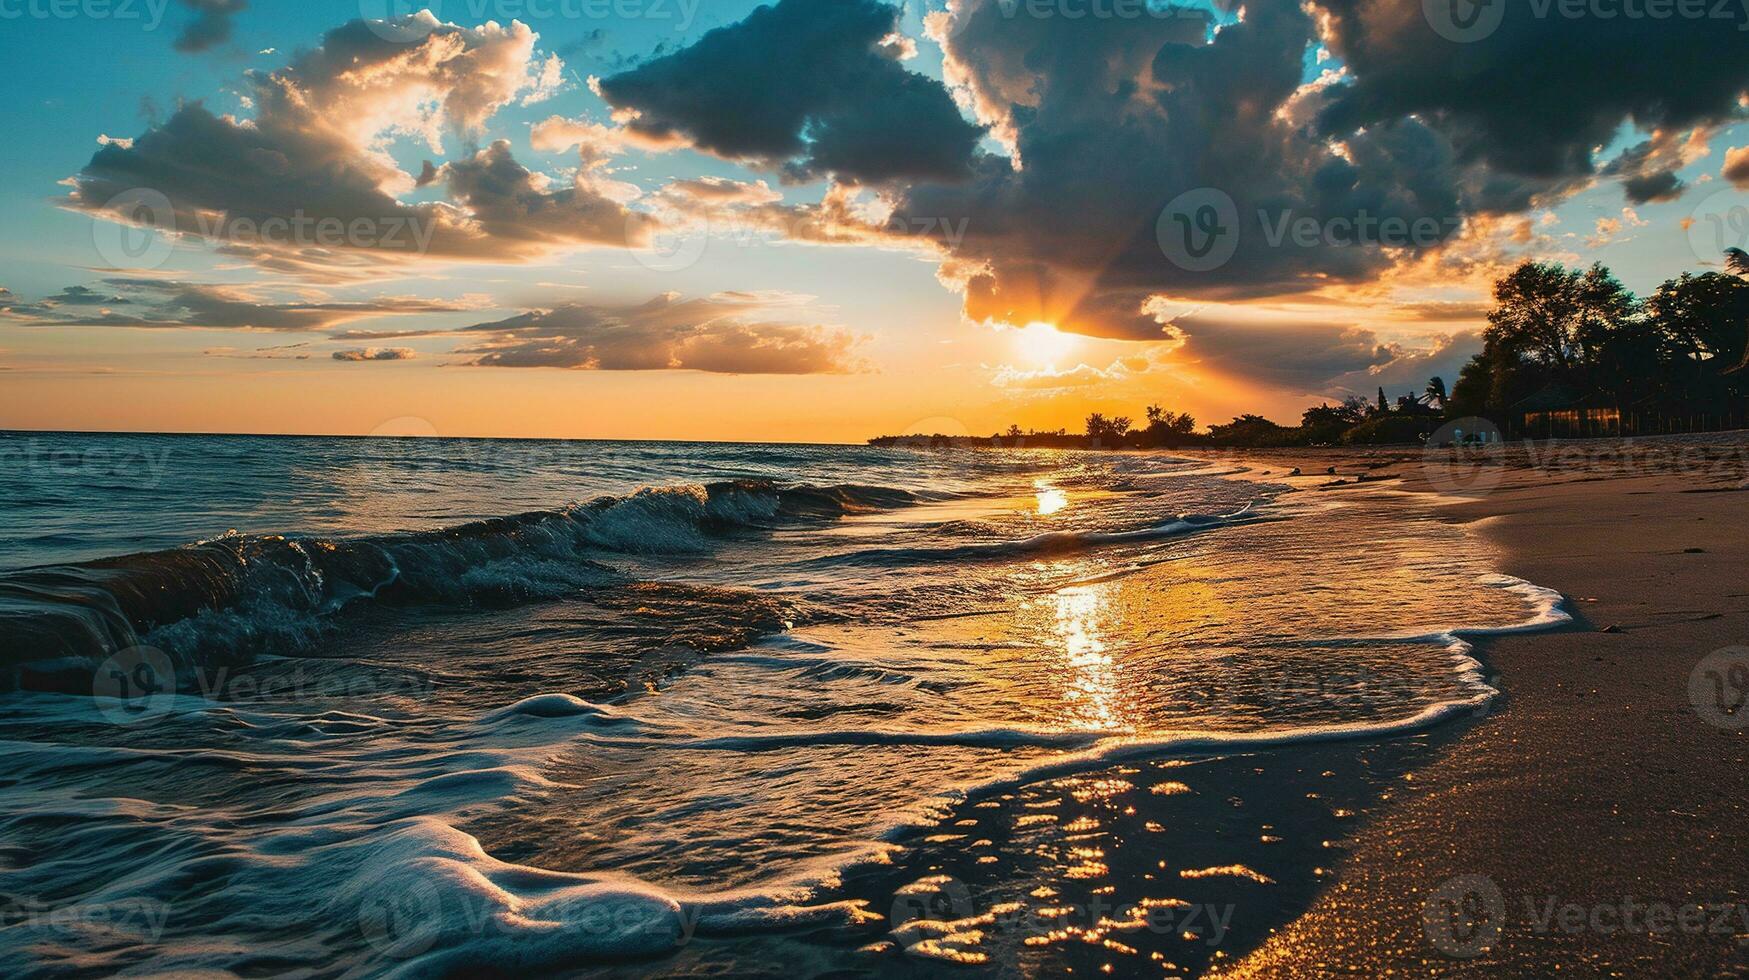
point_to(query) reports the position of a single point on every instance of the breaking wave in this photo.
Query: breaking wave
(238, 595)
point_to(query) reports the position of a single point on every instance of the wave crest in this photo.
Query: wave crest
(236, 595)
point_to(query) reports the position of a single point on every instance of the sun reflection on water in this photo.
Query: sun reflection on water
(1092, 694)
(1050, 499)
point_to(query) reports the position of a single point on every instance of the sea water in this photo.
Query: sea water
(344, 707)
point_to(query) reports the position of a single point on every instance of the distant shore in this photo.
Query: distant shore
(1589, 824)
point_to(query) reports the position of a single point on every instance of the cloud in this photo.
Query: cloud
(282, 352)
(716, 191)
(1736, 169)
(1309, 356)
(727, 333)
(1157, 107)
(1442, 310)
(211, 24)
(1052, 379)
(375, 354)
(515, 207)
(1410, 368)
(306, 187)
(1646, 188)
(1647, 170)
(168, 304)
(594, 141)
(1535, 96)
(1108, 120)
(811, 87)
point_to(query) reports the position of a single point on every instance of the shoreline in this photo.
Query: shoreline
(1584, 825)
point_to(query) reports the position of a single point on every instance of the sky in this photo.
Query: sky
(819, 220)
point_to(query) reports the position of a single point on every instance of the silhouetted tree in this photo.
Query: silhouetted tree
(1104, 430)
(1167, 428)
(1556, 317)
(1475, 385)
(1701, 319)
(1435, 392)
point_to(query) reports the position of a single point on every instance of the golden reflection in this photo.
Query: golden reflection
(1092, 691)
(1050, 499)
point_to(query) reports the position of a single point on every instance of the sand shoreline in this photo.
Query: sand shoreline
(1585, 828)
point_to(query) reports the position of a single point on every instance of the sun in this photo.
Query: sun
(1042, 343)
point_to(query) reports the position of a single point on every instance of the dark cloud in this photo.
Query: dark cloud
(1109, 120)
(726, 333)
(85, 296)
(375, 354)
(168, 304)
(304, 186)
(211, 24)
(1409, 368)
(511, 204)
(1316, 358)
(1536, 95)
(809, 86)
(1299, 356)
(1647, 170)
(1660, 186)
(1112, 119)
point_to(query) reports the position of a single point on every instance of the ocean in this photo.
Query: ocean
(339, 707)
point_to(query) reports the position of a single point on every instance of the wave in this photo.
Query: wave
(665, 918)
(237, 595)
(1047, 542)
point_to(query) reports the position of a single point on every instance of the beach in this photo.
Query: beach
(647, 709)
(1592, 815)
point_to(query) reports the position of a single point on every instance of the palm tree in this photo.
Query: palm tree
(1435, 395)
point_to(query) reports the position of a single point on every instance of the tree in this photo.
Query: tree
(1555, 317)
(1104, 430)
(1384, 406)
(1434, 394)
(1475, 385)
(1702, 320)
(1325, 423)
(1254, 430)
(1168, 428)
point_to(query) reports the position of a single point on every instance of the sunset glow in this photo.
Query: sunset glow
(298, 221)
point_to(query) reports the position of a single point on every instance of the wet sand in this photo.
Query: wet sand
(1594, 823)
